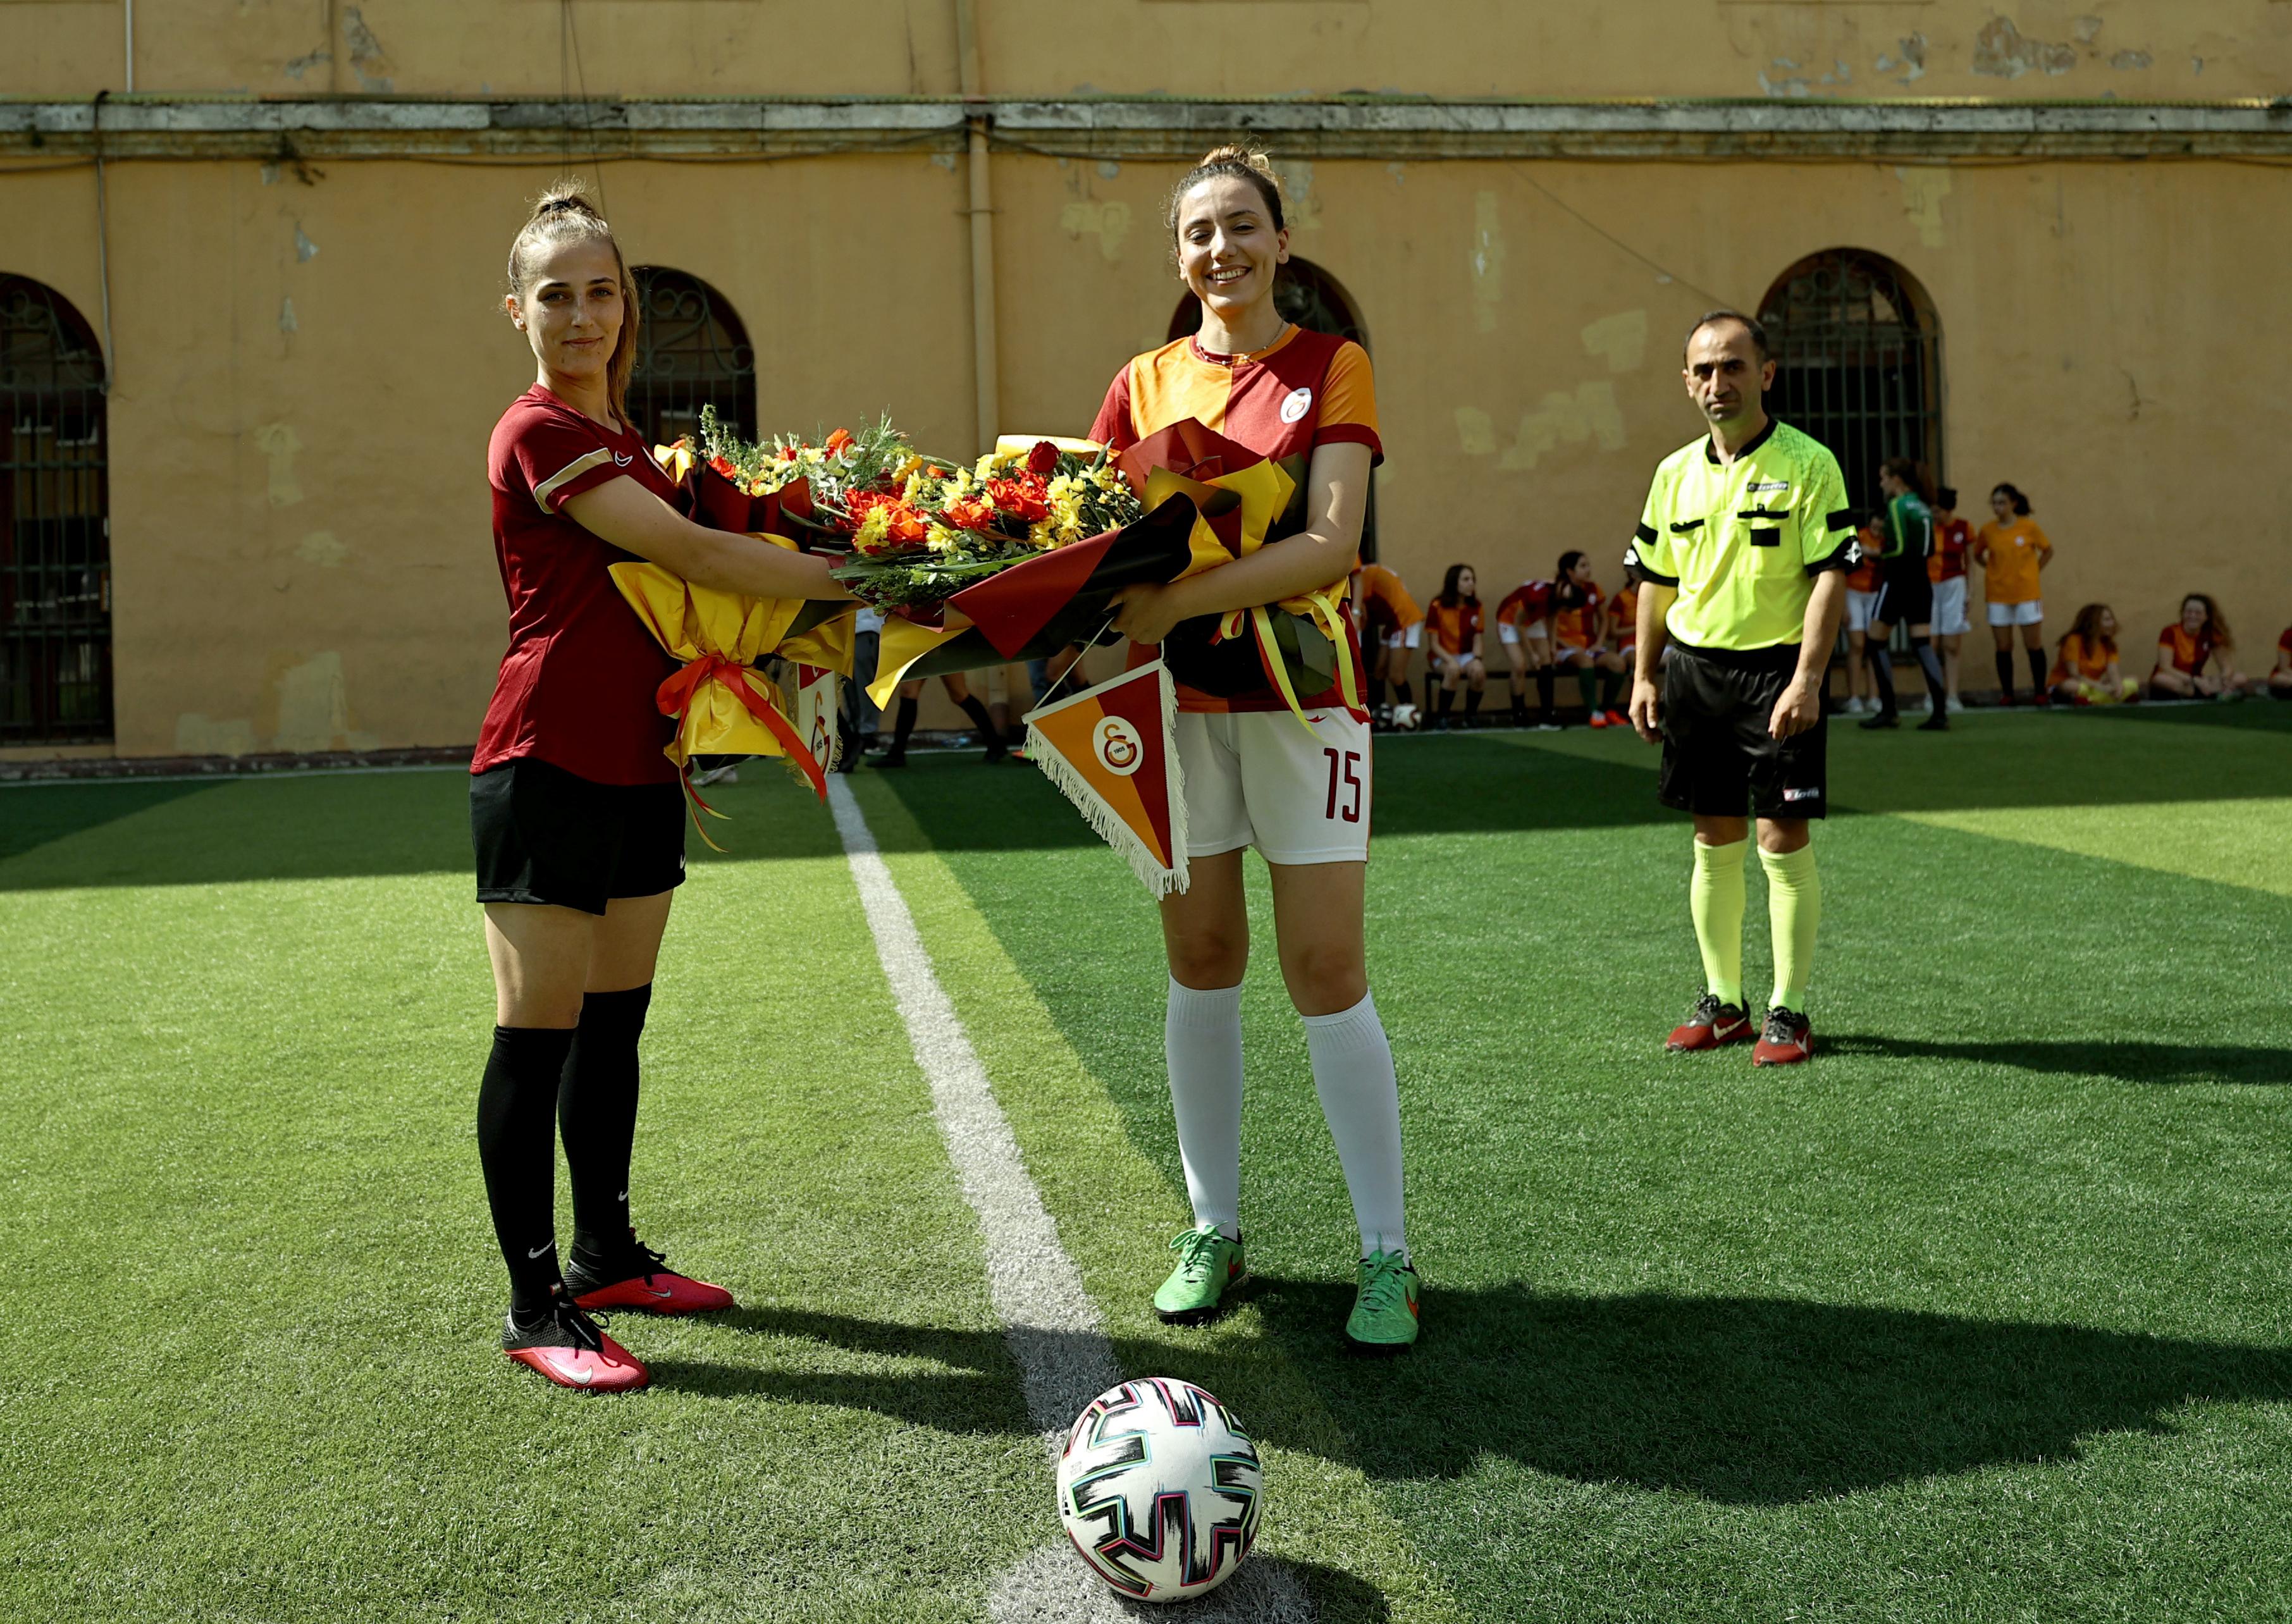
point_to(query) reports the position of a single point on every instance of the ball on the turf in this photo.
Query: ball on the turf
(1160, 1490)
(1404, 718)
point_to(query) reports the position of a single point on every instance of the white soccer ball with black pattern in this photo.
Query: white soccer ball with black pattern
(1160, 1490)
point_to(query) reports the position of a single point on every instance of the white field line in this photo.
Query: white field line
(1052, 1326)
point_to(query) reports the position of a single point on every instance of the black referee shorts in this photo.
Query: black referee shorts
(545, 835)
(1718, 760)
(1905, 597)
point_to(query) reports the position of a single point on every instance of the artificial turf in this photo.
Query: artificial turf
(1981, 1317)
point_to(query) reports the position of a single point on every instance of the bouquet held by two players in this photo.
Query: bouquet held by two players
(1011, 557)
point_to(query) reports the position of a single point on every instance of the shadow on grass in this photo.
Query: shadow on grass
(2127, 1062)
(1741, 1400)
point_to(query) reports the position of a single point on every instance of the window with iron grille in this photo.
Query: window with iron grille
(56, 543)
(1858, 364)
(1309, 296)
(692, 351)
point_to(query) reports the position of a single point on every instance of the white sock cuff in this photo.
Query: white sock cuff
(1359, 1020)
(1204, 1007)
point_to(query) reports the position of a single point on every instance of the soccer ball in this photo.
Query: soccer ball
(1160, 1490)
(1404, 718)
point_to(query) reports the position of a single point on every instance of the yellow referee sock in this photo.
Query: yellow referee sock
(1794, 910)
(1715, 897)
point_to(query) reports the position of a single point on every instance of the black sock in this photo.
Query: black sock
(1544, 693)
(597, 1117)
(1471, 701)
(1586, 680)
(517, 1110)
(1402, 693)
(903, 725)
(1519, 705)
(1375, 694)
(2036, 669)
(2005, 674)
(1930, 663)
(1610, 688)
(1882, 674)
(988, 733)
(1448, 699)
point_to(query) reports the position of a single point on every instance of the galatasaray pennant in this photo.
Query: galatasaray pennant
(577, 813)
(1254, 777)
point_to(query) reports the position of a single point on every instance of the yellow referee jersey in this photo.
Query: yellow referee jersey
(1744, 541)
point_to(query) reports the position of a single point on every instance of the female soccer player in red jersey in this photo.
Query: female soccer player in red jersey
(575, 813)
(1252, 775)
(2200, 638)
(1577, 617)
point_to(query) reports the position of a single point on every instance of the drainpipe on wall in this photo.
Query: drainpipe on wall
(130, 30)
(981, 212)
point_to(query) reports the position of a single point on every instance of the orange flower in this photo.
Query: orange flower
(722, 467)
(836, 442)
(970, 513)
(1025, 498)
(904, 527)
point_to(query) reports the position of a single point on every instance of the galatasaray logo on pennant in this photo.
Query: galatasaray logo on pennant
(1113, 751)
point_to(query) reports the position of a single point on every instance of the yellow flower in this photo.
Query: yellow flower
(943, 538)
(1041, 534)
(872, 532)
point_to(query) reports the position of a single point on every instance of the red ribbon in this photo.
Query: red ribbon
(674, 697)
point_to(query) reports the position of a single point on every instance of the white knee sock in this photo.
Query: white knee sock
(1352, 1072)
(1201, 1037)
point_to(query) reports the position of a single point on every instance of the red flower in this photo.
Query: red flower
(723, 466)
(836, 442)
(906, 526)
(1043, 460)
(971, 512)
(1025, 498)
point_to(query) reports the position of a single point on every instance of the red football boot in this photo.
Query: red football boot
(568, 1349)
(1713, 1025)
(1788, 1039)
(636, 1281)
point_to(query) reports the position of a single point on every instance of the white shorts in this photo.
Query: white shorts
(2032, 613)
(1949, 608)
(1258, 779)
(1506, 633)
(1569, 655)
(1405, 638)
(1859, 605)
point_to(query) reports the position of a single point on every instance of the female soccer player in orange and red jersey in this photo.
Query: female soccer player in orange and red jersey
(1452, 639)
(2085, 666)
(1579, 617)
(2198, 638)
(1946, 570)
(1253, 776)
(577, 815)
(1524, 631)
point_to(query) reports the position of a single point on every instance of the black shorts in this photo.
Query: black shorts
(1717, 757)
(1905, 597)
(545, 835)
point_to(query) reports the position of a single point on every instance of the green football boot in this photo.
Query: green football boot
(1208, 1265)
(1384, 1319)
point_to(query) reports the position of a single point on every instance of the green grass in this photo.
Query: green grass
(1983, 1317)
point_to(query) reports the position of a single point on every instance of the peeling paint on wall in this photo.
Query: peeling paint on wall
(314, 712)
(1923, 190)
(279, 442)
(196, 735)
(2126, 60)
(1109, 221)
(1908, 56)
(1301, 205)
(1487, 261)
(303, 64)
(305, 250)
(1589, 414)
(367, 59)
(287, 322)
(321, 548)
(2003, 51)
(1621, 339)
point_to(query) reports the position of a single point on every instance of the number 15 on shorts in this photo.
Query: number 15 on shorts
(1344, 785)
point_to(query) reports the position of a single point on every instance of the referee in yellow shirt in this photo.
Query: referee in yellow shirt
(1744, 546)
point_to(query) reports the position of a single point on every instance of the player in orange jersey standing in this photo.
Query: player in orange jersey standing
(2012, 550)
(1253, 776)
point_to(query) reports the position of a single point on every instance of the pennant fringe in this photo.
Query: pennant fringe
(1157, 880)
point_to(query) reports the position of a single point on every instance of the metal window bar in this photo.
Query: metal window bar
(692, 350)
(1858, 365)
(55, 542)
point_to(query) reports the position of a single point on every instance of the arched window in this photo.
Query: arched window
(1309, 296)
(56, 544)
(691, 352)
(1858, 363)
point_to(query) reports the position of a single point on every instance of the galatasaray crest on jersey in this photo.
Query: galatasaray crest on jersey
(1112, 750)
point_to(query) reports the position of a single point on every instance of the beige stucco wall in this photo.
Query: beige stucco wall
(2049, 48)
(299, 517)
